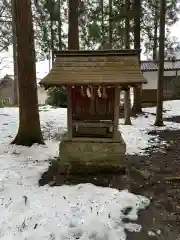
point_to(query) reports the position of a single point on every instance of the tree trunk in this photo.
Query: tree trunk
(52, 31)
(155, 34)
(127, 100)
(159, 108)
(60, 26)
(102, 23)
(127, 107)
(137, 105)
(73, 32)
(110, 23)
(29, 131)
(127, 25)
(15, 95)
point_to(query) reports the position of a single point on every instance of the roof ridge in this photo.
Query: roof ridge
(102, 52)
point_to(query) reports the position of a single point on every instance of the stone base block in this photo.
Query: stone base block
(92, 155)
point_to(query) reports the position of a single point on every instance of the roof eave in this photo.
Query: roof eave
(132, 84)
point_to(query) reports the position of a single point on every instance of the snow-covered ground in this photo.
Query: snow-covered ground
(135, 136)
(83, 212)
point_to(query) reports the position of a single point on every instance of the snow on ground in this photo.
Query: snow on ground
(171, 109)
(136, 136)
(68, 212)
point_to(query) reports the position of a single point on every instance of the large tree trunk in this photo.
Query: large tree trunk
(155, 33)
(60, 26)
(127, 25)
(127, 107)
(29, 131)
(52, 30)
(102, 23)
(15, 95)
(127, 100)
(137, 105)
(159, 108)
(73, 32)
(110, 23)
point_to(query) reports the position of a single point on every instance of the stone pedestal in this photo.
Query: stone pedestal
(91, 155)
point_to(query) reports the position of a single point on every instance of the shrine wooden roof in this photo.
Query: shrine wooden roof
(95, 67)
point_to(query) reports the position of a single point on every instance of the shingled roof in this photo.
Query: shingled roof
(169, 65)
(95, 67)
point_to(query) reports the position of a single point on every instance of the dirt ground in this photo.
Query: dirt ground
(156, 176)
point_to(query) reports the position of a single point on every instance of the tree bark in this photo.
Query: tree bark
(110, 23)
(102, 23)
(73, 44)
(127, 107)
(29, 131)
(159, 108)
(52, 30)
(60, 26)
(73, 32)
(15, 95)
(127, 100)
(137, 105)
(155, 34)
(127, 25)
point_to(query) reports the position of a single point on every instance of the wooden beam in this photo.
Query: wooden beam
(116, 111)
(93, 124)
(69, 112)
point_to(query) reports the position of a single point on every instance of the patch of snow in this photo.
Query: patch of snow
(151, 233)
(136, 136)
(171, 108)
(67, 212)
(154, 232)
(54, 124)
(83, 211)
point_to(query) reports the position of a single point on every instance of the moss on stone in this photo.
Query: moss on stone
(89, 157)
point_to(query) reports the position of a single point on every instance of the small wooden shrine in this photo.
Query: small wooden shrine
(93, 80)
